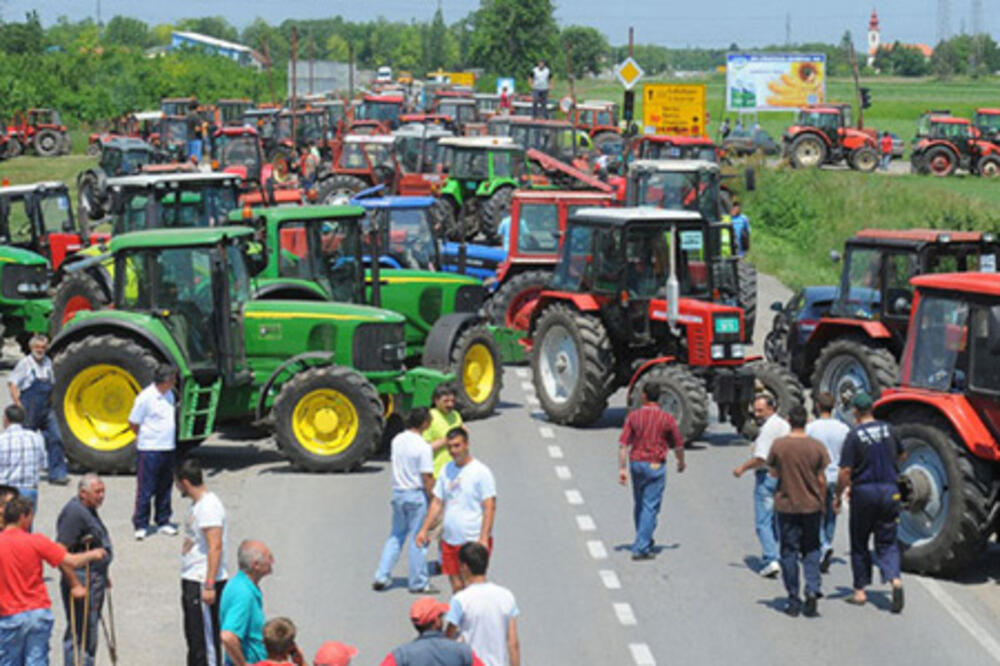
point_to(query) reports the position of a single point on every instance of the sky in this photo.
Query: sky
(706, 23)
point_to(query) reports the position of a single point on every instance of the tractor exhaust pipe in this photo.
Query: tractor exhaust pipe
(673, 286)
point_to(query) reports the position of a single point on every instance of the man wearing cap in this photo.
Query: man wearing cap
(869, 466)
(333, 653)
(431, 647)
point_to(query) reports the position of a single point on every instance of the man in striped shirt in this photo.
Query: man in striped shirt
(22, 454)
(648, 433)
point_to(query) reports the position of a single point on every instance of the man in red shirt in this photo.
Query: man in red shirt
(648, 433)
(25, 609)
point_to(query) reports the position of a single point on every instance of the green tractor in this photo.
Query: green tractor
(320, 374)
(326, 253)
(483, 173)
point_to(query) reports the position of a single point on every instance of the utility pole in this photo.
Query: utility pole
(853, 57)
(312, 56)
(350, 72)
(295, 56)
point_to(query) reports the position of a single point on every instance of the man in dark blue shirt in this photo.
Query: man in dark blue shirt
(869, 466)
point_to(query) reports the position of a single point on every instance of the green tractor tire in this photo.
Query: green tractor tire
(475, 362)
(328, 419)
(96, 382)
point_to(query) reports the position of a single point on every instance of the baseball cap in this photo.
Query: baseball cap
(332, 653)
(427, 609)
(862, 401)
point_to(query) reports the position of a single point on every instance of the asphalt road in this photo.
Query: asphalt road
(562, 535)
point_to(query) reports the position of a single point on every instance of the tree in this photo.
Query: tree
(24, 37)
(588, 49)
(161, 34)
(213, 26)
(440, 45)
(337, 49)
(510, 36)
(127, 31)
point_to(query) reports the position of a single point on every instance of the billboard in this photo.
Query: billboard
(673, 108)
(774, 81)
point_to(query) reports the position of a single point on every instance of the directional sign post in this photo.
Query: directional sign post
(671, 108)
(629, 73)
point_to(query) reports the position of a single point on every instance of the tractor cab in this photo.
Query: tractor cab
(987, 124)
(675, 147)
(487, 104)
(417, 147)
(384, 109)
(827, 119)
(500, 125)
(308, 128)
(185, 200)
(555, 138)
(949, 143)
(174, 136)
(177, 106)
(690, 185)
(335, 112)
(122, 156)
(38, 217)
(461, 110)
(231, 111)
(237, 150)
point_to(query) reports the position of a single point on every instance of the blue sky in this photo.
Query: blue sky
(706, 23)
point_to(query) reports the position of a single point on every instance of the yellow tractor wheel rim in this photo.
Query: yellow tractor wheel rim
(97, 404)
(325, 422)
(478, 373)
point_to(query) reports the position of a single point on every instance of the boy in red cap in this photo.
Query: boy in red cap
(431, 647)
(333, 653)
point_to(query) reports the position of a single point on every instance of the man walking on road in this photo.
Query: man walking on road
(79, 528)
(647, 435)
(431, 647)
(412, 484)
(799, 462)
(25, 608)
(869, 466)
(772, 426)
(540, 79)
(241, 613)
(831, 432)
(30, 385)
(484, 613)
(466, 493)
(203, 566)
(153, 421)
(22, 455)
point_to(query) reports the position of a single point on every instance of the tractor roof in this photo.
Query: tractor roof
(147, 115)
(950, 120)
(386, 139)
(260, 112)
(684, 166)
(974, 283)
(312, 212)
(159, 238)
(384, 99)
(988, 112)
(484, 142)
(624, 216)
(678, 140)
(236, 130)
(166, 180)
(457, 100)
(822, 108)
(919, 236)
(419, 129)
(394, 202)
(539, 122)
(576, 196)
(124, 143)
(17, 190)
(485, 96)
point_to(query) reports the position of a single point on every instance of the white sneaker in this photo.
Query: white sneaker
(140, 534)
(169, 529)
(771, 570)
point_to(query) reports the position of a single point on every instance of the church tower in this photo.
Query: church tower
(874, 38)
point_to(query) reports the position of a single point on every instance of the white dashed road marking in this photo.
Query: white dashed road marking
(563, 472)
(641, 654)
(610, 579)
(585, 523)
(597, 550)
(625, 615)
(574, 497)
(546, 432)
(555, 452)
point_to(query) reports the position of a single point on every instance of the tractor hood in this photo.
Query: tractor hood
(290, 311)
(403, 276)
(16, 255)
(860, 135)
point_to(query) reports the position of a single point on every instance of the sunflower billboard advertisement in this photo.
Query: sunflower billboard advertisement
(774, 81)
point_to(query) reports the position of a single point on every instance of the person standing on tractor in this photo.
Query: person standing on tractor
(194, 145)
(869, 466)
(648, 433)
(741, 228)
(504, 107)
(152, 419)
(540, 79)
(31, 384)
(885, 143)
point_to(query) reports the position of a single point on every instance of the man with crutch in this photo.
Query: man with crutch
(80, 528)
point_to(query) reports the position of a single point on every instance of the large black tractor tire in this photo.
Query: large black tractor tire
(516, 294)
(941, 161)
(682, 395)
(845, 367)
(573, 365)
(91, 195)
(747, 274)
(96, 382)
(48, 143)
(807, 151)
(328, 419)
(988, 167)
(863, 159)
(338, 189)
(776, 341)
(445, 220)
(493, 211)
(14, 148)
(475, 362)
(778, 382)
(77, 291)
(953, 537)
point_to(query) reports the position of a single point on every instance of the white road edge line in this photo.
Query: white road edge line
(555, 452)
(522, 373)
(641, 654)
(597, 550)
(585, 523)
(574, 497)
(546, 432)
(962, 616)
(563, 472)
(610, 579)
(626, 617)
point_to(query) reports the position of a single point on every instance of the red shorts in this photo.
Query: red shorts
(449, 557)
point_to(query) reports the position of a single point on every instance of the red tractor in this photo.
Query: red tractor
(950, 144)
(360, 162)
(598, 120)
(946, 412)
(622, 310)
(421, 158)
(856, 345)
(231, 111)
(823, 135)
(675, 147)
(384, 109)
(41, 130)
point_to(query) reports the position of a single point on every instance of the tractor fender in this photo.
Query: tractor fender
(324, 357)
(290, 290)
(102, 325)
(830, 328)
(442, 336)
(953, 407)
(927, 144)
(819, 135)
(582, 302)
(643, 369)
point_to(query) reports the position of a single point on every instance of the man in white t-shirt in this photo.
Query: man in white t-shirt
(832, 432)
(772, 426)
(540, 77)
(483, 612)
(203, 565)
(153, 420)
(466, 492)
(412, 484)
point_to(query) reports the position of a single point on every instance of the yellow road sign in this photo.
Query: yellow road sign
(673, 108)
(628, 72)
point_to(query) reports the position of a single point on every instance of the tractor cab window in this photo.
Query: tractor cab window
(573, 273)
(337, 246)
(238, 151)
(179, 281)
(384, 112)
(18, 222)
(647, 252)
(466, 113)
(132, 161)
(538, 229)
(692, 264)
(958, 258)
(202, 207)
(57, 214)
(828, 122)
(900, 267)
(504, 164)
(984, 331)
(610, 261)
(239, 277)
(470, 165)
(940, 344)
(380, 154)
(294, 259)
(352, 156)
(951, 131)
(988, 123)
(407, 239)
(863, 295)
(408, 153)
(111, 160)
(674, 190)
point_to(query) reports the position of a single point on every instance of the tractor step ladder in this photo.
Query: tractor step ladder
(199, 409)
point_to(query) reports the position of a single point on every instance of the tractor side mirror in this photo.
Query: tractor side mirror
(834, 256)
(777, 307)
(901, 305)
(750, 179)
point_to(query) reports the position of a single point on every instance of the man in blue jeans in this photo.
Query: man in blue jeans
(772, 426)
(648, 433)
(412, 485)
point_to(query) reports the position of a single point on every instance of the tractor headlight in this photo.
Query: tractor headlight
(718, 352)
(737, 351)
(30, 289)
